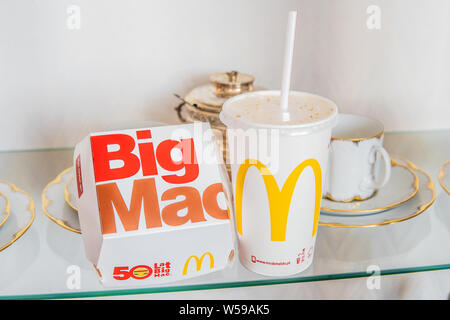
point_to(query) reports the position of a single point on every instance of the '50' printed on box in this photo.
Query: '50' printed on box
(152, 204)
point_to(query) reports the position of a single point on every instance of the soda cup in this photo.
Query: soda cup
(278, 170)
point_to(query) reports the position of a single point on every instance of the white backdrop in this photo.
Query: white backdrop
(127, 58)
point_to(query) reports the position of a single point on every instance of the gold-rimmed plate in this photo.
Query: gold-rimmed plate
(70, 193)
(403, 185)
(20, 204)
(444, 176)
(5, 209)
(54, 204)
(424, 198)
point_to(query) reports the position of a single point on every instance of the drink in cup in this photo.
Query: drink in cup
(277, 193)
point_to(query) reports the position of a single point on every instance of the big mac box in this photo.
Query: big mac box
(152, 204)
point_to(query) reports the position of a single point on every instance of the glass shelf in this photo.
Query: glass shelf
(40, 264)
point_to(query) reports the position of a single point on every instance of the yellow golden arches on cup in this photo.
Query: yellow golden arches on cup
(279, 201)
(199, 262)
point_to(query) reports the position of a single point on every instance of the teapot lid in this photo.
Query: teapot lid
(210, 97)
(228, 84)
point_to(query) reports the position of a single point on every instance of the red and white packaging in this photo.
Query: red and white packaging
(152, 204)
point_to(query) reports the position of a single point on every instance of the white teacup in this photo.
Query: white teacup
(355, 167)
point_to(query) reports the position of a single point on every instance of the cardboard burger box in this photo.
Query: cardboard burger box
(153, 205)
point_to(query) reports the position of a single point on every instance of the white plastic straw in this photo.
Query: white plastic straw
(287, 65)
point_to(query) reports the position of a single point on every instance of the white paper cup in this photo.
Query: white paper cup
(277, 194)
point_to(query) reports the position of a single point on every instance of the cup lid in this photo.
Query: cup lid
(231, 121)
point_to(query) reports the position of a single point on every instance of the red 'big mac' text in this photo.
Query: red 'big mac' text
(144, 194)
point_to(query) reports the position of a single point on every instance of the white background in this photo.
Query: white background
(57, 84)
(128, 57)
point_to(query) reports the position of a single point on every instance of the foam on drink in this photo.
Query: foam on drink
(265, 109)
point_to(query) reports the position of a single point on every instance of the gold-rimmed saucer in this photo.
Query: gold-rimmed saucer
(69, 193)
(5, 209)
(444, 176)
(402, 186)
(54, 204)
(424, 198)
(20, 204)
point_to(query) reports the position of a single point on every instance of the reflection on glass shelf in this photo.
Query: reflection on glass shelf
(48, 261)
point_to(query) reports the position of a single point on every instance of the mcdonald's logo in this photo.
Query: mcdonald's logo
(279, 200)
(199, 262)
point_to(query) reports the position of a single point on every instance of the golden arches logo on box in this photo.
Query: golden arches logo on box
(199, 262)
(279, 200)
